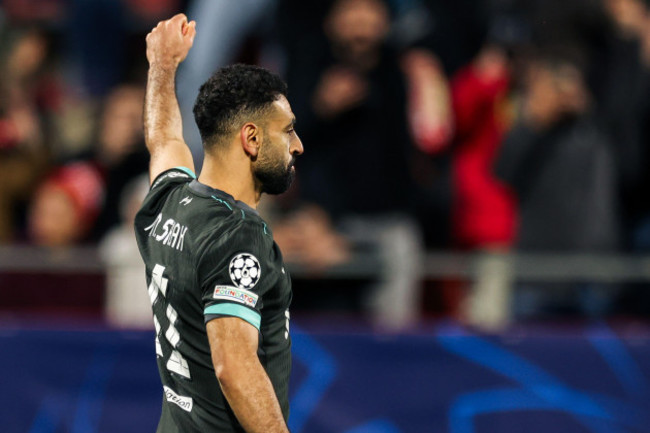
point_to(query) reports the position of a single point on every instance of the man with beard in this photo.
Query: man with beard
(218, 288)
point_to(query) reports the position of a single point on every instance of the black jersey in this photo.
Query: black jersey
(208, 256)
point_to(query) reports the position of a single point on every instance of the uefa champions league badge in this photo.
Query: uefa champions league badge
(245, 270)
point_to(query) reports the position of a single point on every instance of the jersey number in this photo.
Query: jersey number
(158, 288)
(288, 316)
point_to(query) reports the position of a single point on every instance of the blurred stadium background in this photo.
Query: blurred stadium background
(468, 236)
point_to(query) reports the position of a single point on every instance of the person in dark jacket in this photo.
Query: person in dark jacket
(562, 170)
(349, 94)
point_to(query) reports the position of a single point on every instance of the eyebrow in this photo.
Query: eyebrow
(292, 123)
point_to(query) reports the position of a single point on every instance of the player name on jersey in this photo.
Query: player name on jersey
(171, 233)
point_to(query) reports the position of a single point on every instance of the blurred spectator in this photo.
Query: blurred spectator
(349, 95)
(350, 100)
(623, 83)
(119, 150)
(65, 206)
(559, 163)
(31, 92)
(127, 303)
(429, 101)
(484, 210)
(29, 95)
(564, 174)
(120, 125)
(309, 238)
(431, 125)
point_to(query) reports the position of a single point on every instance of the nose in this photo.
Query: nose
(296, 146)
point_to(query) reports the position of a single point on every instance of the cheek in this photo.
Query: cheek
(278, 152)
(288, 156)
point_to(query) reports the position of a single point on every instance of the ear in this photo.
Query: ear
(251, 139)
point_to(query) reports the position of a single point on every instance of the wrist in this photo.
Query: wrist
(168, 66)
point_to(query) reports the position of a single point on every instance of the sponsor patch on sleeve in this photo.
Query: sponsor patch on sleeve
(231, 293)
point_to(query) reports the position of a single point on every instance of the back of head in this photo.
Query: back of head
(234, 95)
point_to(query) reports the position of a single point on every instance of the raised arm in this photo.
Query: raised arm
(167, 46)
(247, 387)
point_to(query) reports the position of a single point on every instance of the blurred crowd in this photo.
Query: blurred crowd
(473, 125)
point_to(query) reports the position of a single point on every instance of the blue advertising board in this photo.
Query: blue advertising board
(441, 379)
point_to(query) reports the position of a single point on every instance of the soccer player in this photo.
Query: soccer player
(218, 287)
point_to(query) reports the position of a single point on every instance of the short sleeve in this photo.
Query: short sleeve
(235, 272)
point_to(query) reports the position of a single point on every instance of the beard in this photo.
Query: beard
(275, 178)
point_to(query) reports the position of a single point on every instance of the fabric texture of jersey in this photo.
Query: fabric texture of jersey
(209, 256)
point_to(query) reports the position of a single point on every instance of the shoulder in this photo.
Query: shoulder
(235, 234)
(238, 243)
(161, 188)
(235, 228)
(243, 232)
(168, 181)
(173, 176)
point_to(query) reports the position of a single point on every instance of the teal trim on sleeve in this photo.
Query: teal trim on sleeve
(240, 311)
(187, 170)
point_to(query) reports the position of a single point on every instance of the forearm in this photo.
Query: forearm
(162, 116)
(250, 394)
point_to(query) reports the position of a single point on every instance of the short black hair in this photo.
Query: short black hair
(233, 95)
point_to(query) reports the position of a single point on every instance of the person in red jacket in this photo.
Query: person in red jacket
(483, 212)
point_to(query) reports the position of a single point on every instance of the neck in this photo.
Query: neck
(232, 175)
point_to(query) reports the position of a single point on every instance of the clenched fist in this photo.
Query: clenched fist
(170, 41)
